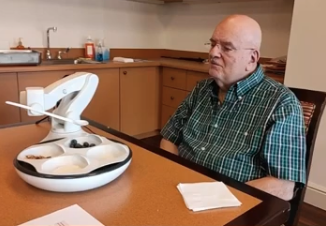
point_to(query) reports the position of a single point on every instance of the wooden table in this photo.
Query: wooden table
(146, 194)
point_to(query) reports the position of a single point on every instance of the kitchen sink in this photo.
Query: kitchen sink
(59, 62)
(77, 61)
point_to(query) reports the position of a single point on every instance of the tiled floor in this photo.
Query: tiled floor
(310, 215)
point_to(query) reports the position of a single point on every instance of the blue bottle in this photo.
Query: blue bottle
(106, 52)
(99, 52)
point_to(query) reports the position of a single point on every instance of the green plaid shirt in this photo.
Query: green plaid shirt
(257, 131)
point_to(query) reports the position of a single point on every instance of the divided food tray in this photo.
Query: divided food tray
(74, 155)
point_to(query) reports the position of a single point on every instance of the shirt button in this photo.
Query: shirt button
(246, 134)
(203, 148)
(240, 97)
(215, 125)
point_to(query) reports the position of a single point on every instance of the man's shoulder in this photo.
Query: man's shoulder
(284, 94)
(202, 87)
(204, 84)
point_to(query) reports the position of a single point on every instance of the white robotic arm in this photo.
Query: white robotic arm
(75, 92)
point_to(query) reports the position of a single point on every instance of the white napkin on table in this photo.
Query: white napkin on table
(207, 195)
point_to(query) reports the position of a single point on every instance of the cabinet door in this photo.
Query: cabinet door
(38, 78)
(193, 77)
(175, 78)
(140, 100)
(104, 108)
(167, 113)
(8, 92)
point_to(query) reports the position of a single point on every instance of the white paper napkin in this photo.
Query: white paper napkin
(207, 195)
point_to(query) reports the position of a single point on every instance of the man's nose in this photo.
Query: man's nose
(215, 51)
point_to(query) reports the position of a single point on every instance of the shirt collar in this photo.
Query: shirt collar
(243, 86)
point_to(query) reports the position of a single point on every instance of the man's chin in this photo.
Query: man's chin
(213, 72)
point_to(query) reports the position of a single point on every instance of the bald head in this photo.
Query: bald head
(243, 29)
(235, 49)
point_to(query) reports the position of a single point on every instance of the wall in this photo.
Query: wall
(306, 69)
(121, 23)
(126, 24)
(188, 27)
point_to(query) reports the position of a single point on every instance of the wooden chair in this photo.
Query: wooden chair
(313, 104)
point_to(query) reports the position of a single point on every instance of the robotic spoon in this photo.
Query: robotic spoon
(77, 122)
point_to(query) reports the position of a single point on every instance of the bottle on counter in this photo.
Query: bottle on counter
(20, 44)
(89, 48)
(106, 52)
(99, 52)
(102, 53)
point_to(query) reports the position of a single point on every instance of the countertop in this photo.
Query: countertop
(194, 66)
(173, 63)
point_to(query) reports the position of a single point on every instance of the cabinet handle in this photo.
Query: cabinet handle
(172, 78)
(124, 72)
(172, 98)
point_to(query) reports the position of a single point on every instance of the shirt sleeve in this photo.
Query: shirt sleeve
(172, 131)
(284, 148)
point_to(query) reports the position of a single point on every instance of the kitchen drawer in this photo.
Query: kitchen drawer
(173, 97)
(175, 78)
(167, 113)
(193, 78)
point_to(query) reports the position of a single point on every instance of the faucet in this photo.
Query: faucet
(48, 53)
(62, 52)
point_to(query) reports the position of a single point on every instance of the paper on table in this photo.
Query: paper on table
(207, 195)
(70, 216)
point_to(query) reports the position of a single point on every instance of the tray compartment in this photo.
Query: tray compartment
(67, 164)
(108, 154)
(41, 152)
(90, 140)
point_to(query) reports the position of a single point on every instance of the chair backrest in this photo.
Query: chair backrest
(313, 104)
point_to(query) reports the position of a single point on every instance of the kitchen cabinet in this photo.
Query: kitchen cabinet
(104, 108)
(177, 84)
(37, 78)
(173, 97)
(167, 112)
(139, 100)
(175, 78)
(8, 92)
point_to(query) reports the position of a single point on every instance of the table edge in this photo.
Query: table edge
(275, 211)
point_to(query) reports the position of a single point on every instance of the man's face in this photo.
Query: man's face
(229, 57)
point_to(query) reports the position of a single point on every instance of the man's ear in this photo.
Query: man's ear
(255, 55)
(254, 58)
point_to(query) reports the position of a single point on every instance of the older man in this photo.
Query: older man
(240, 122)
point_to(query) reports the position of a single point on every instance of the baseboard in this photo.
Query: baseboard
(316, 195)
